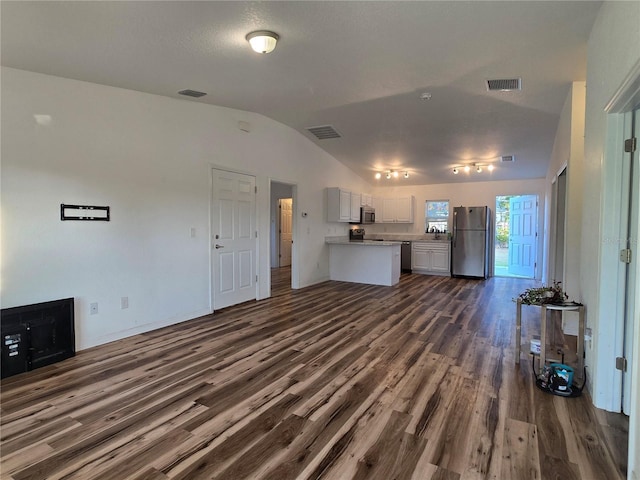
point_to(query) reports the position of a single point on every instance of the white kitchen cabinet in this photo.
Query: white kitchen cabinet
(355, 207)
(376, 203)
(404, 210)
(342, 205)
(397, 210)
(366, 200)
(389, 205)
(431, 258)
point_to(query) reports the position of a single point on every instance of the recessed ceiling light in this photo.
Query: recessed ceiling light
(425, 96)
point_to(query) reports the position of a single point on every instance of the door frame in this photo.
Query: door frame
(611, 272)
(295, 272)
(538, 264)
(554, 228)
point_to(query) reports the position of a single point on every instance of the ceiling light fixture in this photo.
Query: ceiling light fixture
(263, 41)
(478, 167)
(389, 174)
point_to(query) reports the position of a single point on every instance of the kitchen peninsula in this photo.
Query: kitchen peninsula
(366, 261)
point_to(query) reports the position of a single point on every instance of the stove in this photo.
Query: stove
(356, 235)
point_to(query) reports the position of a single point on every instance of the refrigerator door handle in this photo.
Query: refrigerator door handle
(455, 228)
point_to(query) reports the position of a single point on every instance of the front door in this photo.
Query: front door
(286, 234)
(233, 238)
(523, 212)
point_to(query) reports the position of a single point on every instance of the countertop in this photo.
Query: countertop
(390, 239)
(372, 243)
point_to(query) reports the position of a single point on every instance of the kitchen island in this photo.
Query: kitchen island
(367, 261)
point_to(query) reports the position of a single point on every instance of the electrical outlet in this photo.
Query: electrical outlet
(93, 309)
(124, 303)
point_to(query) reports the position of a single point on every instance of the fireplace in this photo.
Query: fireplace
(36, 335)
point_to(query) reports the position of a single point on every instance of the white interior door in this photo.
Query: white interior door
(523, 213)
(286, 231)
(233, 236)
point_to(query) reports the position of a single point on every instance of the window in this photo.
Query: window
(437, 216)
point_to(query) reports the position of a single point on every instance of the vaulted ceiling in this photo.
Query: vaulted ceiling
(361, 67)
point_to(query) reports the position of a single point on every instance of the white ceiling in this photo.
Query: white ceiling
(358, 66)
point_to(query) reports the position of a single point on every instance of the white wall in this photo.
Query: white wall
(568, 150)
(612, 54)
(467, 194)
(149, 158)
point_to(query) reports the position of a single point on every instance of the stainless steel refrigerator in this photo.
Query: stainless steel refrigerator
(471, 242)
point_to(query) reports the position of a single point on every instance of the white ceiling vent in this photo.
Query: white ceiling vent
(192, 93)
(508, 158)
(324, 132)
(504, 84)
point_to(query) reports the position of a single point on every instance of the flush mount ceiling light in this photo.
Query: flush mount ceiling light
(406, 174)
(263, 41)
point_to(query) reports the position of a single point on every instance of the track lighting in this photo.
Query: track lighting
(477, 166)
(389, 174)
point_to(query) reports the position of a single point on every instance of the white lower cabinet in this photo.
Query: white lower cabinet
(431, 258)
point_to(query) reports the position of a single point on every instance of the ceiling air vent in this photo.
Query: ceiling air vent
(324, 132)
(192, 93)
(504, 85)
(507, 158)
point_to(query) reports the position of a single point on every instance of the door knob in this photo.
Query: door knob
(219, 246)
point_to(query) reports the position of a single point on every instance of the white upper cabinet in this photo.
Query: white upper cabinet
(404, 210)
(397, 210)
(355, 207)
(342, 205)
(366, 200)
(377, 204)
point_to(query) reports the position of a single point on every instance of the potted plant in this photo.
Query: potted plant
(543, 295)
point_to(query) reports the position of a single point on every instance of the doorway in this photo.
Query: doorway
(516, 236)
(281, 237)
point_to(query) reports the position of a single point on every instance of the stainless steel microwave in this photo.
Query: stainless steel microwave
(367, 215)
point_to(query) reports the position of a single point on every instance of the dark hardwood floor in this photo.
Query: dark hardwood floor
(336, 381)
(280, 281)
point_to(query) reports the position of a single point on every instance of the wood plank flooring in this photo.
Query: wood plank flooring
(336, 381)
